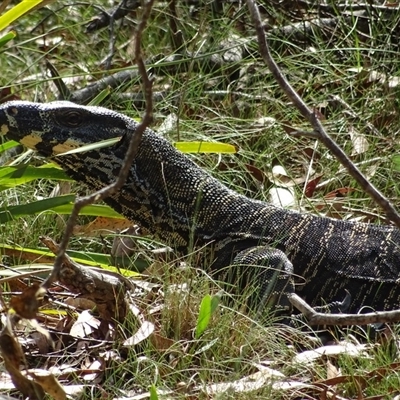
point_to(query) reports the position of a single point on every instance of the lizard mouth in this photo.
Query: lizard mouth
(11, 130)
(56, 128)
(15, 124)
(4, 122)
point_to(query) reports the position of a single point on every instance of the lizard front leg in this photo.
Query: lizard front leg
(263, 273)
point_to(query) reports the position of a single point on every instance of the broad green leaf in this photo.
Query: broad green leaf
(56, 312)
(4, 171)
(12, 212)
(8, 145)
(205, 147)
(6, 38)
(207, 346)
(60, 205)
(138, 265)
(87, 258)
(207, 308)
(204, 316)
(90, 258)
(16, 12)
(215, 300)
(104, 261)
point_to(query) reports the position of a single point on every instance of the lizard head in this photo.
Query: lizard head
(60, 126)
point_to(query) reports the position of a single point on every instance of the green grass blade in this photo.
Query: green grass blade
(6, 38)
(8, 145)
(100, 97)
(16, 12)
(91, 146)
(396, 162)
(86, 258)
(12, 212)
(95, 210)
(14, 176)
(153, 393)
(205, 147)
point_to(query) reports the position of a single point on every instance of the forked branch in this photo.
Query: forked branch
(319, 131)
(129, 156)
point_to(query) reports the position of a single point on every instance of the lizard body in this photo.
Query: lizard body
(181, 204)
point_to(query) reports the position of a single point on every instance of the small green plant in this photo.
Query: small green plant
(207, 308)
(153, 393)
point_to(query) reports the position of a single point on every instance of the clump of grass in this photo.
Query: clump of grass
(345, 66)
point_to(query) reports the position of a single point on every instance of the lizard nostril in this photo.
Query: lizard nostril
(13, 111)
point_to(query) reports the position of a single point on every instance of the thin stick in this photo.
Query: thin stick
(318, 129)
(129, 156)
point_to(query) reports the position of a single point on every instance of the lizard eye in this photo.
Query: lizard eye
(70, 118)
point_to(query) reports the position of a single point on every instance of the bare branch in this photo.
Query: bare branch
(129, 156)
(106, 289)
(318, 128)
(315, 318)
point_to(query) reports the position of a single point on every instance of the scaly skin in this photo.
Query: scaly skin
(173, 199)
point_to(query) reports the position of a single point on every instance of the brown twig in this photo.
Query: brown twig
(312, 118)
(120, 10)
(176, 34)
(103, 20)
(162, 65)
(4, 5)
(64, 92)
(315, 318)
(129, 156)
(106, 289)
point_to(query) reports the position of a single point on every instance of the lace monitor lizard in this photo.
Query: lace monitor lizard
(173, 199)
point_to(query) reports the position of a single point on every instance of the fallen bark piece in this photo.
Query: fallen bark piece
(107, 290)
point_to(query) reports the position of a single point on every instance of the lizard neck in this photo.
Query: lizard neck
(166, 193)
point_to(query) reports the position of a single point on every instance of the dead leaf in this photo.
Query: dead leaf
(124, 247)
(85, 325)
(311, 186)
(282, 197)
(61, 188)
(80, 303)
(279, 174)
(41, 341)
(310, 356)
(13, 358)
(95, 371)
(339, 192)
(254, 171)
(26, 304)
(101, 225)
(160, 342)
(264, 122)
(10, 348)
(146, 329)
(255, 381)
(7, 95)
(331, 370)
(359, 141)
(49, 384)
